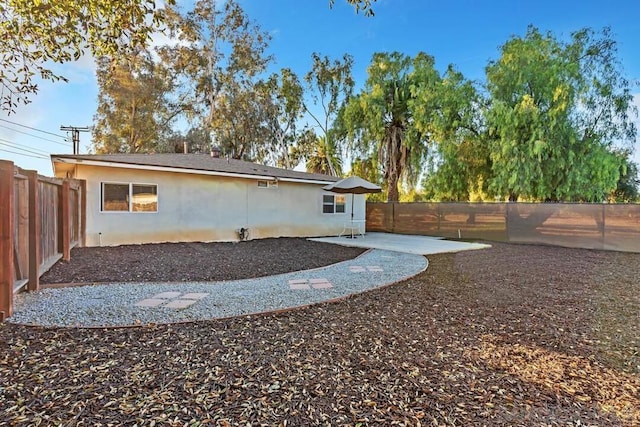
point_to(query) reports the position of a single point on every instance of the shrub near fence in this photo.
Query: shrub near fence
(41, 219)
(591, 226)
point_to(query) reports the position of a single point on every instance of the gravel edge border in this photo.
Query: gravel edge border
(278, 311)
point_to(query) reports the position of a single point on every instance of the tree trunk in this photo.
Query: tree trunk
(392, 190)
(395, 161)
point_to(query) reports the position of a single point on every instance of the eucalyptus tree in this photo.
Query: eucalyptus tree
(135, 108)
(241, 121)
(285, 108)
(557, 111)
(221, 54)
(37, 34)
(329, 86)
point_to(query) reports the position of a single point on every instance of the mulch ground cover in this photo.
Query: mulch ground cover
(182, 262)
(512, 335)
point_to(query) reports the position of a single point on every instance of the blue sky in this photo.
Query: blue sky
(465, 33)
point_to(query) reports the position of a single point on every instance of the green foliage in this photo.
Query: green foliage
(36, 34)
(329, 85)
(323, 158)
(197, 140)
(393, 116)
(210, 76)
(628, 188)
(547, 130)
(459, 161)
(285, 109)
(134, 112)
(221, 54)
(556, 110)
(239, 124)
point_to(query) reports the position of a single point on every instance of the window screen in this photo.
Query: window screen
(327, 203)
(115, 197)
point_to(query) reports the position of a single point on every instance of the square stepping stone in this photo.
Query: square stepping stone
(297, 281)
(167, 295)
(323, 285)
(194, 295)
(180, 303)
(298, 286)
(312, 281)
(150, 302)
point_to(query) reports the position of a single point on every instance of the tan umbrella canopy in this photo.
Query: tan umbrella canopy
(353, 185)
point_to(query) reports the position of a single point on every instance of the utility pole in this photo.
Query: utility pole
(75, 135)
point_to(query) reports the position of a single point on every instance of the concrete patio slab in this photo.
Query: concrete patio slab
(167, 295)
(322, 285)
(150, 302)
(299, 286)
(421, 245)
(180, 303)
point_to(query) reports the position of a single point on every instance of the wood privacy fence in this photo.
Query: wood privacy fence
(591, 226)
(41, 219)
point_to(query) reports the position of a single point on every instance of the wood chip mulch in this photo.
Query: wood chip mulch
(184, 262)
(512, 335)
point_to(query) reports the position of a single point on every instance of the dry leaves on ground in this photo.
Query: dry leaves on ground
(512, 335)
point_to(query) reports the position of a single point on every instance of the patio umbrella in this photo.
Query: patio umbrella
(353, 185)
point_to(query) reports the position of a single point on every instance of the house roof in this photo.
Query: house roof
(193, 163)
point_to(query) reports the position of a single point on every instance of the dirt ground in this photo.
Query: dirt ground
(512, 335)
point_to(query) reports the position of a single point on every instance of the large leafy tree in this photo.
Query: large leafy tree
(37, 34)
(557, 109)
(628, 186)
(284, 111)
(135, 107)
(323, 158)
(221, 54)
(382, 118)
(241, 119)
(459, 164)
(329, 85)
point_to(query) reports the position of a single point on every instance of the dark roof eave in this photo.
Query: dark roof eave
(238, 168)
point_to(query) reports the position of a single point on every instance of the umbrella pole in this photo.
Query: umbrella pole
(352, 197)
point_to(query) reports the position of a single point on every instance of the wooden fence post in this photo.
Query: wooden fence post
(64, 218)
(6, 238)
(83, 213)
(34, 231)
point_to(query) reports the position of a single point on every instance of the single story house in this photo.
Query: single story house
(151, 198)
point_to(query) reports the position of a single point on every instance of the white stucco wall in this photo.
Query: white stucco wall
(209, 208)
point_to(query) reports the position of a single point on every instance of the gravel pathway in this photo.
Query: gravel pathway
(122, 304)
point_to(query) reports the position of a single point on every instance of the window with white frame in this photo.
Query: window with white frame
(333, 204)
(129, 197)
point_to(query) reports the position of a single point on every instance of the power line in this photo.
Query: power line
(39, 130)
(21, 149)
(35, 136)
(46, 153)
(21, 154)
